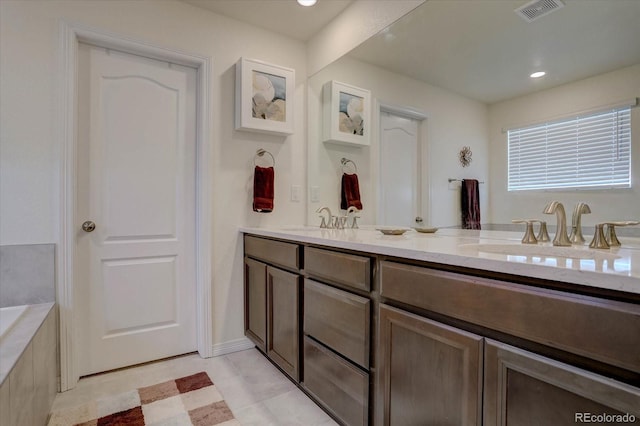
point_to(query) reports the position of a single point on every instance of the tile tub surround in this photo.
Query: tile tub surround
(27, 274)
(29, 367)
(618, 268)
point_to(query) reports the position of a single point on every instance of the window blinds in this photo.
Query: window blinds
(591, 151)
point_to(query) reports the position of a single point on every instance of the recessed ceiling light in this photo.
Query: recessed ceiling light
(537, 74)
(306, 2)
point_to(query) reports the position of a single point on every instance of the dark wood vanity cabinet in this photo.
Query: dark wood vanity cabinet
(272, 301)
(433, 373)
(386, 341)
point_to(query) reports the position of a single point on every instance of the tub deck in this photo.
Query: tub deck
(9, 316)
(19, 334)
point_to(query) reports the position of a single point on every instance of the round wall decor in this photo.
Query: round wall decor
(465, 156)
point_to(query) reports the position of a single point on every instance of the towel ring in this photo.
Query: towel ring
(346, 161)
(260, 153)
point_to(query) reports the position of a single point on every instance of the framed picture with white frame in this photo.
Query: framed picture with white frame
(346, 114)
(264, 97)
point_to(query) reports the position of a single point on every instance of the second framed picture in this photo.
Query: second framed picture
(346, 114)
(264, 97)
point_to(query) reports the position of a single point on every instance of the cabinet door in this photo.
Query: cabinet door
(429, 374)
(255, 302)
(283, 332)
(522, 389)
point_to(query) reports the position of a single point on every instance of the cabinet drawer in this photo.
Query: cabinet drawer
(346, 269)
(341, 387)
(276, 252)
(338, 319)
(596, 328)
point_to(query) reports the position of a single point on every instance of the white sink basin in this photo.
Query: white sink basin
(574, 252)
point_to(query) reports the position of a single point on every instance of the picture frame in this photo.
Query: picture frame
(346, 114)
(264, 97)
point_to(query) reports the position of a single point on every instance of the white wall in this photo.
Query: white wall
(30, 153)
(361, 20)
(582, 95)
(453, 122)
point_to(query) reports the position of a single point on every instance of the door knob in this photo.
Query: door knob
(88, 226)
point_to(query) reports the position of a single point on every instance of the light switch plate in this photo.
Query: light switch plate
(315, 194)
(295, 193)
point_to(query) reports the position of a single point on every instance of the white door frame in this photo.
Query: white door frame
(423, 149)
(70, 35)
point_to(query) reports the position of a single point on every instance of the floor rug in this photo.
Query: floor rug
(191, 400)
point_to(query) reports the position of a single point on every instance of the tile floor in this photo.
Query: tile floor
(256, 392)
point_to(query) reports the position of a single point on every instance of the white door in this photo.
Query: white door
(135, 272)
(399, 171)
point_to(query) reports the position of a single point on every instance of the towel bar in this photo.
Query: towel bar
(459, 180)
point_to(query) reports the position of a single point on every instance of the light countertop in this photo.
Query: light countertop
(614, 269)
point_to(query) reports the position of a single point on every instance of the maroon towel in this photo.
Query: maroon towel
(470, 204)
(263, 189)
(350, 194)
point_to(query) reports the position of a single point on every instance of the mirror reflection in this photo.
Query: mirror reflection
(455, 74)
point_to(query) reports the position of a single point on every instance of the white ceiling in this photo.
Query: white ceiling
(478, 48)
(281, 16)
(483, 50)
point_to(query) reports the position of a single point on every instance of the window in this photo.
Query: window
(591, 151)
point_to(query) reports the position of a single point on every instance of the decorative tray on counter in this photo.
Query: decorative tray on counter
(426, 230)
(390, 230)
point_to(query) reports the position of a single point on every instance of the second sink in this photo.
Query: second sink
(541, 251)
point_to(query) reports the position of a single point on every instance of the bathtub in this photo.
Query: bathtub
(28, 363)
(9, 316)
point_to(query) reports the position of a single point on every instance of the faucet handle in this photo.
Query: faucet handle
(529, 236)
(599, 241)
(543, 234)
(323, 222)
(611, 237)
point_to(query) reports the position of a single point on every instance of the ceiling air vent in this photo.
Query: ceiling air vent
(538, 8)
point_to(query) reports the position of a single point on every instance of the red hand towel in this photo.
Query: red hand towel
(350, 194)
(470, 204)
(263, 189)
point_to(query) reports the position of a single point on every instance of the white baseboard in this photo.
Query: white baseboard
(232, 346)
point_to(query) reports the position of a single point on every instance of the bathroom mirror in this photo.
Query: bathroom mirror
(460, 70)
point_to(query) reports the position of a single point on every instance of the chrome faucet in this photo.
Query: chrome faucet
(561, 238)
(576, 223)
(328, 222)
